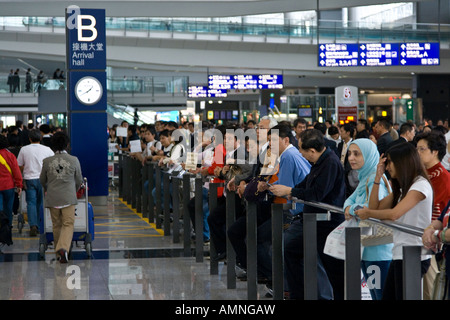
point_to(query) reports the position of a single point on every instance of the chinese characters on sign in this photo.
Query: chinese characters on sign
(86, 40)
(378, 54)
(245, 81)
(204, 92)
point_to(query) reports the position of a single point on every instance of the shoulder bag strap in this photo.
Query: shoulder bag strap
(386, 182)
(3, 162)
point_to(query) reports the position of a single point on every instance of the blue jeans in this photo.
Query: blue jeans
(6, 203)
(34, 196)
(205, 208)
(162, 194)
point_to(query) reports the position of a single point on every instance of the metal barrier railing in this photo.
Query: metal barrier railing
(134, 190)
(412, 288)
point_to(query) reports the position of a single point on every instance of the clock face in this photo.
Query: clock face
(88, 90)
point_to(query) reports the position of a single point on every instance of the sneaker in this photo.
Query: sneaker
(62, 256)
(241, 273)
(269, 290)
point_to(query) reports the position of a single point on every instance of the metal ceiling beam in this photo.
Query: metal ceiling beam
(180, 8)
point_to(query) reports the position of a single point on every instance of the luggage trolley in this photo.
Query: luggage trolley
(83, 227)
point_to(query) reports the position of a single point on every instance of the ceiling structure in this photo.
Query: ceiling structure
(196, 58)
(177, 8)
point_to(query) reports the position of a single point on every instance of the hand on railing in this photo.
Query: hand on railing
(429, 239)
(280, 190)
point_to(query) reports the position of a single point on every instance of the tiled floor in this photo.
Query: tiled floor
(130, 260)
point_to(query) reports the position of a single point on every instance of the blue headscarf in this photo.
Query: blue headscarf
(366, 174)
(371, 156)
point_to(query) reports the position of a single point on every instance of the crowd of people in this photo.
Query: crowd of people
(34, 161)
(31, 85)
(371, 171)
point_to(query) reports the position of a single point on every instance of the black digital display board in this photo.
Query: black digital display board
(245, 81)
(205, 92)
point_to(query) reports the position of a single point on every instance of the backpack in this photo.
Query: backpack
(5, 230)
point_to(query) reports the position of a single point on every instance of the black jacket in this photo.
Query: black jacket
(324, 183)
(383, 142)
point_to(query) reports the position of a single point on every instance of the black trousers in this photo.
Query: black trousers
(237, 233)
(393, 287)
(217, 223)
(293, 260)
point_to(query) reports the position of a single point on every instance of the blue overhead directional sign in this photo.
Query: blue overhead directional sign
(219, 81)
(338, 55)
(270, 81)
(419, 54)
(378, 54)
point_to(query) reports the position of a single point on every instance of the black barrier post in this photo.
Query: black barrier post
(352, 264)
(231, 255)
(134, 184)
(277, 251)
(166, 188)
(412, 280)
(158, 185)
(214, 264)
(120, 176)
(143, 192)
(129, 181)
(138, 182)
(126, 179)
(251, 251)
(198, 219)
(151, 185)
(186, 217)
(176, 208)
(310, 255)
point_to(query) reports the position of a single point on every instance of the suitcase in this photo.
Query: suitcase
(83, 226)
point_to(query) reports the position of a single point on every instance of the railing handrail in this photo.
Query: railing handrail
(291, 28)
(416, 231)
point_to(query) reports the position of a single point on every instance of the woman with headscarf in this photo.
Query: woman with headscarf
(363, 157)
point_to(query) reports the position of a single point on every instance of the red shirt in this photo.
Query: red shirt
(440, 181)
(9, 180)
(218, 161)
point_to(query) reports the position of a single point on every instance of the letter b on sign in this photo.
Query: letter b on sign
(90, 27)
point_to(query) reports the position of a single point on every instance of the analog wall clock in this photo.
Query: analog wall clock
(88, 90)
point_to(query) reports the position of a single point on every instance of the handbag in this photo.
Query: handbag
(381, 234)
(251, 192)
(335, 243)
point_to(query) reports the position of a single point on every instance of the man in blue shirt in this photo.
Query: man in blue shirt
(325, 183)
(293, 168)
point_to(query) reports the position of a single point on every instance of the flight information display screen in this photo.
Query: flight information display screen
(245, 81)
(205, 92)
(378, 54)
